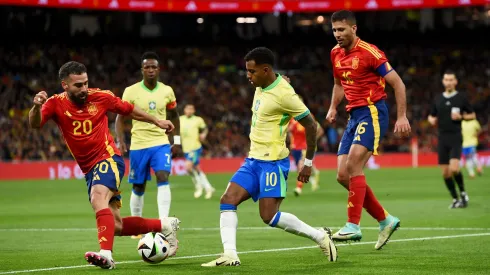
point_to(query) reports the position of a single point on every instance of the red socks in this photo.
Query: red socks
(137, 225)
(299, 184)
(357, 192)
(105, 228)
(373, 207)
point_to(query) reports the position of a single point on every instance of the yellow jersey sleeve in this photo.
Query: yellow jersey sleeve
(201, 124)
(172, 100)
(294, 106)
(127, 95)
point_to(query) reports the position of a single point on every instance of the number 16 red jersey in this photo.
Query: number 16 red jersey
(361, 72)
(85, 128)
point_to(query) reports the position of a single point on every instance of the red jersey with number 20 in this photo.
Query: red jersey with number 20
(85, 128)
(361, 72)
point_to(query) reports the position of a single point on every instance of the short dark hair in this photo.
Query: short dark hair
(150, 55)
(342, 15)
(71, 67)
(449, 71)
(261, 55)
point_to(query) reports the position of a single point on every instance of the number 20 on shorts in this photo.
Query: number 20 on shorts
(271, 179)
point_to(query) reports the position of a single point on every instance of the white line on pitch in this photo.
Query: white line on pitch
(251, 252)
(244, 228)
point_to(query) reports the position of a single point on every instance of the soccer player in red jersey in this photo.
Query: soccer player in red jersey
(80, 113)
(360, 71)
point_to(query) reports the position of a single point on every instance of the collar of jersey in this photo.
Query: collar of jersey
(146, 88)
(274, 84)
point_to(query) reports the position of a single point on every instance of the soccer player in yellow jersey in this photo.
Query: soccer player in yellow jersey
(150, 146)
(471, 129)
(264, 173)
(194, 131)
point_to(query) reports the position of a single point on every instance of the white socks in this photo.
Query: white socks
(163, 199)
(470, 167)
(228, 224)
(106, 253)
(136, 204)
(204, 181)
(290, 223)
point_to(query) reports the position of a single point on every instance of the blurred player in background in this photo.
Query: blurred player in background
(194, 131)
(150, 146)
(471, 129)
(81, 115)
(297, 136)
(360, 72)
(449, 108)
(263, 175)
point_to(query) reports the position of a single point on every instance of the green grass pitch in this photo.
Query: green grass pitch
(47, 226)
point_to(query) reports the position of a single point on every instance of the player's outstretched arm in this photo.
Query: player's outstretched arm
(174, 117)
(120, 133)
(311, 133)
(337, 96)
(141, 115)
(35, 116)
(402, 126)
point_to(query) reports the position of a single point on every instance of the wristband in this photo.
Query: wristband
(177, 140)
(308, 162)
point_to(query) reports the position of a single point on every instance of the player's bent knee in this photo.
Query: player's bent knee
(228, 198)
(162, 176)
(343, 179)
(118, 228)
(139, 188)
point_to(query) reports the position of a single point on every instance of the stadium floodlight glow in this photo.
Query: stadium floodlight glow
(320, 19)
(246, 20)
(240, 20)
(200, 20)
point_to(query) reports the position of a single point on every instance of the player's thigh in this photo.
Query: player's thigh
(372, 123)
(139, 166)
(242, 186)
(268, 207)
(347, 138)
(357, 159)
(189, 166)
(342, 173)
(272, 178)
(161, 158)
(103, 181)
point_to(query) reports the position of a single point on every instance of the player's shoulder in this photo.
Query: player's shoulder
(369, 49)
(134, 87)
(58, 97)
(165, 87)
(284, 87)
(96, 92)
(336, 49)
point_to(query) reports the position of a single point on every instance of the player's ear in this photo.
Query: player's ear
(354, 29)
(64, 85)
(266, 69)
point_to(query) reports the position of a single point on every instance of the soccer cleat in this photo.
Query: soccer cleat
(136, 237)
(297, 191)
(350, 232)
(198, 193)
(455, 204)
(464, 200)
(223, 260)
(386, 229)
(170, 226)
(209, 193)
(97, 259)
(328, 246)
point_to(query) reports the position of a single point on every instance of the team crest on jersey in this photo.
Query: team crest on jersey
(355, 62)
(152, 105)
(257, 104)
(92, 109)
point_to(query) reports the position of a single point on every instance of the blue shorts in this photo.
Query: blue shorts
(298, 155)
(194, 156)
(367, 125)
(108, 172)
(158, 158)
(469, 151)
(263, 179)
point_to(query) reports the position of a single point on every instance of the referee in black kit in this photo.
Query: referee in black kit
(447, 111)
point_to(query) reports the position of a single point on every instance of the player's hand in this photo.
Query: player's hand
(331, 116)
(456, 116)
(202, 137)
(167, 125)
(40, 98)
(286, 78)
(402, 127)
(122, 146)
(304, 174)
(432, 120)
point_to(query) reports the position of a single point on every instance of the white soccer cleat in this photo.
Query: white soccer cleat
(385, 231)
(209, 193)
(297, 191)
(97, 259)
(170, 226)
(224, 260)
(328, 246)
(198, 193)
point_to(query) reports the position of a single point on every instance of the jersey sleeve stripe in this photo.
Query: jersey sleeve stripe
(303, 115)
(371, 50)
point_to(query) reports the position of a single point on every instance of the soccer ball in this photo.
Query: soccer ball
(153, 248)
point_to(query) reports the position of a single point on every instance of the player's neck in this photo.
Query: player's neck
(150, 85)
(272, 77)
(449, 91)
(352, 45)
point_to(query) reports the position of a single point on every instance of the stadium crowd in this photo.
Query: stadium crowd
(214, 80)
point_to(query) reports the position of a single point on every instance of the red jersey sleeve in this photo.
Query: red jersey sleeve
(116, 105)
(333, 54)
(48, 110)
(378, 61)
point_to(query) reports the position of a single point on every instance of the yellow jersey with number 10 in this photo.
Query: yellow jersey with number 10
(470, 129)
(273, 107)
(189, 131)
(155, 102)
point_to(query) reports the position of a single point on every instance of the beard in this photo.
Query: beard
(77, 99)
